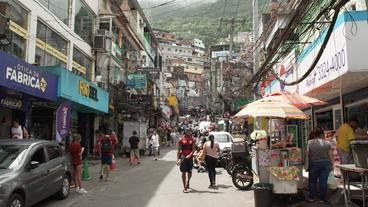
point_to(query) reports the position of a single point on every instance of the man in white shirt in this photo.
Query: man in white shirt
(155, 143)
(16, 130)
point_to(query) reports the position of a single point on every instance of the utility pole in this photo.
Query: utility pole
(232, 22)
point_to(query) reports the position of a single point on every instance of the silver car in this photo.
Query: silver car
(32, 170)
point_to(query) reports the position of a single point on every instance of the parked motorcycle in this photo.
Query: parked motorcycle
(241, 165)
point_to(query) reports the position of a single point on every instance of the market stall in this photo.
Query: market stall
(275, 158)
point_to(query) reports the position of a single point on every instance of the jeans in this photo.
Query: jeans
(319, 170)
(211, 168)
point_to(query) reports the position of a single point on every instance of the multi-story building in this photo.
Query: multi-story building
(103, 53)
(58, 34)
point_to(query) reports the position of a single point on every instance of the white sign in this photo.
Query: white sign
(332, 64)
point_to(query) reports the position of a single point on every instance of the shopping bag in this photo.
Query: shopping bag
(331, 182)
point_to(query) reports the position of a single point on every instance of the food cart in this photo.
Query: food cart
(275, 159)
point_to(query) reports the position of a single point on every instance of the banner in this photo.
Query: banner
(63, 116)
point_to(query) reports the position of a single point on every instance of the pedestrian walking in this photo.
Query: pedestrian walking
(174, 137)
(134, 151)
(155, 143)
(212, 151)
(186, 148)
(201, 155)
(76, 152)
(320, 156)
(168, 138)
(107, 143)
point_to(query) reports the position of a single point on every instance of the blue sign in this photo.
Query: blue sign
(137, 81)
(21, 76)
(79, 90)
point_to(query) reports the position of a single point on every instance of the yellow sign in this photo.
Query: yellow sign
(14, 27)
(51, 50)
(172, 100)
(85, 89)
(80, 68)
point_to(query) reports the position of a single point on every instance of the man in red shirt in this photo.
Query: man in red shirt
(107, 143)
(186, 148)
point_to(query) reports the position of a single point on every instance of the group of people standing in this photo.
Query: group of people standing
(107, 143)
(185, 154)
(320, 156)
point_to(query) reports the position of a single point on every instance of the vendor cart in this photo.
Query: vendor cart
(278, 161)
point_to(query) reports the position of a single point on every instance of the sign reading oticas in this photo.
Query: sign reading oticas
(26, 78)
(85, 89)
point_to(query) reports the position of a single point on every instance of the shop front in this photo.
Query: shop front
(89, 103)
(23, 87)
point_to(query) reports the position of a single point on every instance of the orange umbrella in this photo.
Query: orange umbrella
(295, 99)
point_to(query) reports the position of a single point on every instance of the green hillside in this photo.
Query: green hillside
(199, 18)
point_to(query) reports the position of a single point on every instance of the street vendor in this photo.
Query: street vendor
(345, 134)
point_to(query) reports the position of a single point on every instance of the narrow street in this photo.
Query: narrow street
(154, 184)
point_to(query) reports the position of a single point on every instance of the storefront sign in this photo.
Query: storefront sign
(138, 82)
(87, 90)
(63, 116)
(19, 75)
(80, 91)
(152, 73)
(140, 100)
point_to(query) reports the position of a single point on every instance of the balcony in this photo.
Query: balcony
(132, 17)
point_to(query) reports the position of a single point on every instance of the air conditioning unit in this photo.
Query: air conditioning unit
(103, 32)
(101, 43)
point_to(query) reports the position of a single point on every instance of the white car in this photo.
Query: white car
(223, 138)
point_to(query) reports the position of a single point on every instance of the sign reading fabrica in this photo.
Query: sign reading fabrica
(21, 76)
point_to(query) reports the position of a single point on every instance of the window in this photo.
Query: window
(84, 21)
(53, 152)
(11, 155)
(39, 156)
(82, 65)
(189, 59)
(169, 49)
(180, 50)
(51, 48)
(18, 26)
(58, 7)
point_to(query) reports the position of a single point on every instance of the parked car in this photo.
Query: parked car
(32, 170)
(224, 139)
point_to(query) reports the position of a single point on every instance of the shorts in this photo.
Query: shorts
(106, 159)
(186, 165)
(134, 153)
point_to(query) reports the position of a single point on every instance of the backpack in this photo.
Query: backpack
(106, 145)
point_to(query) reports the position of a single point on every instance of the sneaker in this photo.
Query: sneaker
(82, 191)
(77, 189)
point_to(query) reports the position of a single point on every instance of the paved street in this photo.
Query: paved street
(154, 184)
